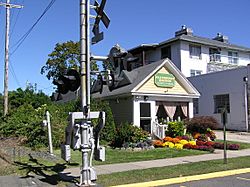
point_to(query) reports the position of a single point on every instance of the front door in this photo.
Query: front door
(145, 117)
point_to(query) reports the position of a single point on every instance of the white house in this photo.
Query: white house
(157, 90)
(194, 55)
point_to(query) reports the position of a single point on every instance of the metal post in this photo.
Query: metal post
(224, 120)
(225, 144)
(49, 132)
(85, 56)
(85, 89)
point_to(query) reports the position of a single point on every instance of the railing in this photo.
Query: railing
(159, 130)
(233, 60)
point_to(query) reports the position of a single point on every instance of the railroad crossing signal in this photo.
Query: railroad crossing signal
(101, 16)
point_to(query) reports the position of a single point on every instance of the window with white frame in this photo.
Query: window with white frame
(232, 57)
(194, 72)
(195, 51)
(221, 102)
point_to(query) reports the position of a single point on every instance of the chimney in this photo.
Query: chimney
(184, 30)
(221, 38)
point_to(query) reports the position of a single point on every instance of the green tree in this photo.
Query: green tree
(28, 96)
(64, 56)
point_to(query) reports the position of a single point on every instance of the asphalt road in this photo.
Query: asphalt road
(241, 180)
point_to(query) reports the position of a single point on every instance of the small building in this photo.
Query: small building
(149, 93)
(224, 89)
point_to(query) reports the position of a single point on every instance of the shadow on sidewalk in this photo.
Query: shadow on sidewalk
(47, 174)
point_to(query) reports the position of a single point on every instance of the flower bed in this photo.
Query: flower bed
(196, 142)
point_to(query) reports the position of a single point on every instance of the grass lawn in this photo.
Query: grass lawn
(145, 175)
(122, 156)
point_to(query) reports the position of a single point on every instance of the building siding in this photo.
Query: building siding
(122, 109)
(150, 87)
(224, 82)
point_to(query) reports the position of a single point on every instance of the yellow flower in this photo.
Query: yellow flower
(171, 145)
(165, 144)
(192, 142)
(183, 142)
(178, 146)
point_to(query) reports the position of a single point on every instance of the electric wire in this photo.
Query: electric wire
(18, 15)
(14, 74)
(22, 39)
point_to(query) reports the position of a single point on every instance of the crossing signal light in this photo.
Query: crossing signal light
(109, 80)
(69, 82)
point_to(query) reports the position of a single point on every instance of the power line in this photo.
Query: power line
(14, 75)
(18, 13)
(22, 39)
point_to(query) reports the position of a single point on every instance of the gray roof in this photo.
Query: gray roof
(199, 40)
(206, 41)
(136, 76)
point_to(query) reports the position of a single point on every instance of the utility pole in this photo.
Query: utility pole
(6, 66)
(84, 55)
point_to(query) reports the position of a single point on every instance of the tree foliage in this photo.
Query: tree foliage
(64, 56)
(28, 96)
(108, 132)
(28, 110)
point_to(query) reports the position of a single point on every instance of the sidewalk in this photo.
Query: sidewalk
(234, 136)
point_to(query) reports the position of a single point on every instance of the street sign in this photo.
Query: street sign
(97, 38)
(101, 16)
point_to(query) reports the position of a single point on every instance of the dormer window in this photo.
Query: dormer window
(195, 51)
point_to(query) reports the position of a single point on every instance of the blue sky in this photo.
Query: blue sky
(133, 22)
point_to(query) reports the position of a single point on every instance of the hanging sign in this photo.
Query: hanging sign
(164, 80)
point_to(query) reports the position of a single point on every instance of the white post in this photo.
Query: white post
(246, 105)
(49, 133)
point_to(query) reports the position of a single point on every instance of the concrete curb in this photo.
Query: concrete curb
(188, 178)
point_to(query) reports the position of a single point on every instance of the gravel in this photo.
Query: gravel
(12, 148)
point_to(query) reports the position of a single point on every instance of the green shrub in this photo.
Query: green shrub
(25, 117)
(201, 124)
(127, 133)
(175, 128)
(108, 132)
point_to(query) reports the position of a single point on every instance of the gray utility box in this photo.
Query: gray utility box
(100, 154)
(65, 152)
